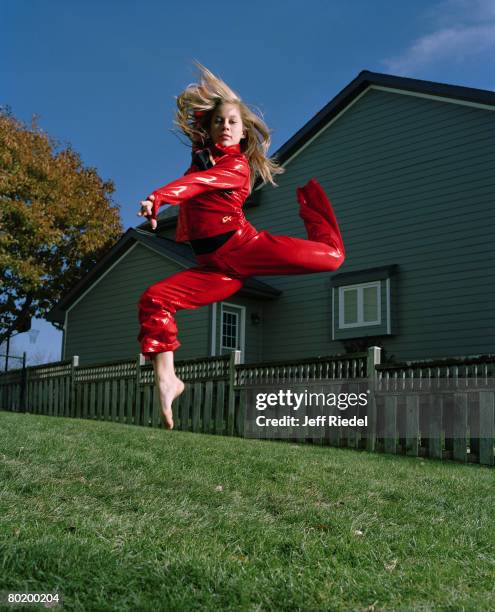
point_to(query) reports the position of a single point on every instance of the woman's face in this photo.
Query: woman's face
(226, 126)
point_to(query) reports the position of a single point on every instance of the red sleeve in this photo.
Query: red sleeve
(230, 172)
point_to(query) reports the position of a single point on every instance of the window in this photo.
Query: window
(363, 303)
(359, 305)
(230, 330)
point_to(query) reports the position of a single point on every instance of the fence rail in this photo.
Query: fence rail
(215, 399)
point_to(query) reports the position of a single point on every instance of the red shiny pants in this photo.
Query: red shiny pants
(247, 253)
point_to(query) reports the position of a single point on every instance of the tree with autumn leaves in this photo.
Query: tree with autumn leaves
(56, 220)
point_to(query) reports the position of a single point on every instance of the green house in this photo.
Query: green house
(409, 166)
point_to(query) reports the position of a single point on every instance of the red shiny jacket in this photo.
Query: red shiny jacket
(210, 200)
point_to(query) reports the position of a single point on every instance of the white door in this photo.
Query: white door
(232, 329)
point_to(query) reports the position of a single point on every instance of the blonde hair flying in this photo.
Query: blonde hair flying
(195, 106)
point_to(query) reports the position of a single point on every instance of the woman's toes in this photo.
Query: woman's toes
(167, 418)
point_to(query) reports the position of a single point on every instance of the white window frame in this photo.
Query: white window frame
(360, 305)
(213, 348)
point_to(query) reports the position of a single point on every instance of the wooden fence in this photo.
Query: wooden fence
(121, 391)
(441, 409)
(124, 391)
(215, 399)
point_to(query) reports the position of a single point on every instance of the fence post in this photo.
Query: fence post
(374, 358)
(23, 406)
(235, 357)
(72, 386)
(138, 420)
(486, 430)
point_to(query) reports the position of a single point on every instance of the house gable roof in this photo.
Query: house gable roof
(179, 253)
(376, 80)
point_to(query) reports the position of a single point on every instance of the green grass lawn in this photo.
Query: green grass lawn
(118, 517)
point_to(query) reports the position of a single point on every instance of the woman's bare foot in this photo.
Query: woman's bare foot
(169, 390)
(168, 385)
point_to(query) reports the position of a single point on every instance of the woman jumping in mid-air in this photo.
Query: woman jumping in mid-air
(229, 146)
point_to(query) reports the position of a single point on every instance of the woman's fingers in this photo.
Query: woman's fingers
(147, 211)
(146, 208)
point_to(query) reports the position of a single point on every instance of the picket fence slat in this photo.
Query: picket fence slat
(187, 408)
(207, 407)
(146, 405)
(122, 400)
(114, 392)
(412, 425)
(196, 414)
(241, 414)
(106, 400)
(157, 419)
(129, 401)
(487, 428)
(435, 426)
(220, 408)
(460, 427)
(390, 414)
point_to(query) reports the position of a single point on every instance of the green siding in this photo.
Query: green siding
(103, 325)
(412, 182)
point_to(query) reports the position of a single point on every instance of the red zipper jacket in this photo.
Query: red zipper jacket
(210, 200)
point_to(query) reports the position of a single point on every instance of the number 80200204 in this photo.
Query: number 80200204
(48, 600)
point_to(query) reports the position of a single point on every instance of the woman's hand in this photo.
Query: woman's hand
(147, 211)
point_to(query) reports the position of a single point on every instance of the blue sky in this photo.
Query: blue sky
(102, 75)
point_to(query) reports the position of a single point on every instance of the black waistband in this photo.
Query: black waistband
(208, 245)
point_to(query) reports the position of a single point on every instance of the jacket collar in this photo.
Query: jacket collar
(218, 149)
